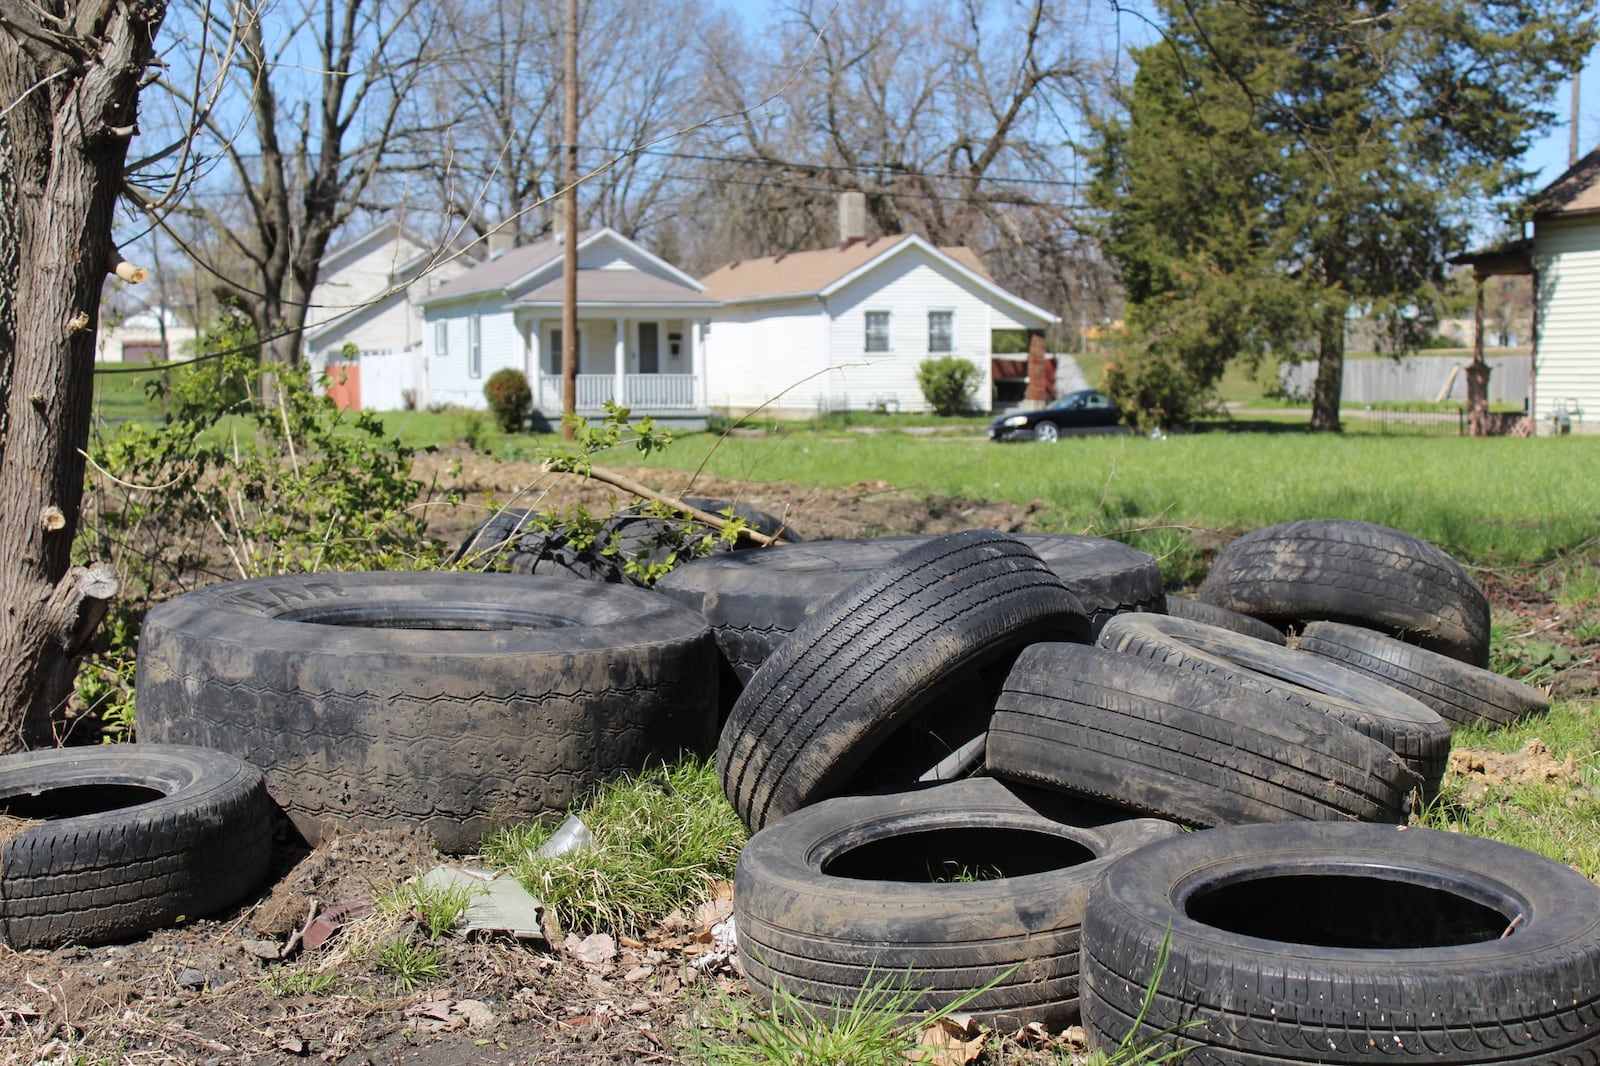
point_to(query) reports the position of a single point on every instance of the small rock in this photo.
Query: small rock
(189, 977)
(477, 1013)
(263, 949)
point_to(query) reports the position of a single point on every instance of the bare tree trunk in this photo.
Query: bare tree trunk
(1330, 373)
(69, 84)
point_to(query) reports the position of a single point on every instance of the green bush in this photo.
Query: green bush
(510, 397)
(948, 383)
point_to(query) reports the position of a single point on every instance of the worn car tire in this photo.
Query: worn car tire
(1324, 943)
(891, 674)
(754, 600)
(1346, 571)
(1222, 617)
(1201, 750)
(122, 839)
(1408, 727)
(967, 885)
(510, 537)
(440, 700)
(1459, 693)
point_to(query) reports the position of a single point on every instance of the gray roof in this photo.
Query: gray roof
(617, 287)
(493, 275)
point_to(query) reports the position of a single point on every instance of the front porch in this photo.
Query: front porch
(651, 365)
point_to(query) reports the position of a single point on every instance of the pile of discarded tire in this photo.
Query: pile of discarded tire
(968, 762)
(1306, 922)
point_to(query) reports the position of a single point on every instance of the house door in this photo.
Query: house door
(649, 348)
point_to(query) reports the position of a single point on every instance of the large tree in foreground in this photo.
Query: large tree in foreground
(70, 72)
(1279, 166)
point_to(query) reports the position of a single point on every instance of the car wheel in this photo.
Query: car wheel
(1047, 432)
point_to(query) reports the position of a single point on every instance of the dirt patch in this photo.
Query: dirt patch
(1484, 772)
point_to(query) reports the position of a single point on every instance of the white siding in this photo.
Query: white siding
(775, 354)
(909, 286)
(1567, 258)
(448, 379)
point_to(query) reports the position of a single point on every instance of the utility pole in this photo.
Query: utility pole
(1572, 134)
(569, 269)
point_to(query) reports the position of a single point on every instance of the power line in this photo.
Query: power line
(897, 194)
(860, 168)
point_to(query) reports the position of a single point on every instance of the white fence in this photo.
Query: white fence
(1416, 377)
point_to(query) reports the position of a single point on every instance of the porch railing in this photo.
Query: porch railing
(642, 392)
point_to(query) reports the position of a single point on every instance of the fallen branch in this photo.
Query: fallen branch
(645, 492)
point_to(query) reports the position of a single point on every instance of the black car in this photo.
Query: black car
(1085, 411)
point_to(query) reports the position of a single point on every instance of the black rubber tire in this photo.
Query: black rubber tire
(1408, 727)
(510, 538)
(1163, 740)
(1368, 575)
(1345, 943)
(756, 599)
(861, 889)
(1222, 617)
(1461, 694)
(891, 674)
(131, 838)
(448, 701)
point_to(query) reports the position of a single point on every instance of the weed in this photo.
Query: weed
(435, 908)
(1579, 586)
(1586, 631)
(662, 838)
(409, 964)
(880, 1027)
(299, 981)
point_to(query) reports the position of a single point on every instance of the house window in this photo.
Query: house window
(941, 331)
(555, 354)
(474, 347)
(877, 331)
(441, 339)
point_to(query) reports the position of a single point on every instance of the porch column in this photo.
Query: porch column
(535, 364)
(697, 363)
(619, 386)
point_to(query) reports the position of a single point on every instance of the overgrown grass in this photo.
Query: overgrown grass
(1492, 501)
(661, 840)
(1559, 818)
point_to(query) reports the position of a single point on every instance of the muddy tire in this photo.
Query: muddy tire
(947, 889)
(1355, 572)
(1408, 727)
(1345, 943)
(1222, 618)
(756, 599)
(440, 700)
(1163, 740)
(510, 538)
(1459, 693)
(890, 675)
(128, 838)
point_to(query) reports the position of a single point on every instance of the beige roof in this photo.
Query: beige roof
(616, 287)
(1576, 192)
(807, 273)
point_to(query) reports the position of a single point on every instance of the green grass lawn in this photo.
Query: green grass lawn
(1498, 500)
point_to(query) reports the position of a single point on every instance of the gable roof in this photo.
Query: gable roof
(1575, 192)
(524, 273)
(820, 273)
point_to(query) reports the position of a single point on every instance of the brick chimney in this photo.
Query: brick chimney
(852, 218)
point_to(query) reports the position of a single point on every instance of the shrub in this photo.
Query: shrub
(948, 383)
(510, 397)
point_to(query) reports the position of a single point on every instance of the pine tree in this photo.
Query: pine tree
(1278, 167)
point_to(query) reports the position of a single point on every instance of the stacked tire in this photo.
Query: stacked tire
(968, 651)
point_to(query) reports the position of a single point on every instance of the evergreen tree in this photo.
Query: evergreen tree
(1278, 166)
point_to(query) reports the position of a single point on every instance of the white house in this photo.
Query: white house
(368, 297)
(1562, 256)
(1565, 258)
(641, 323)
(151, 335)
(846, 327)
